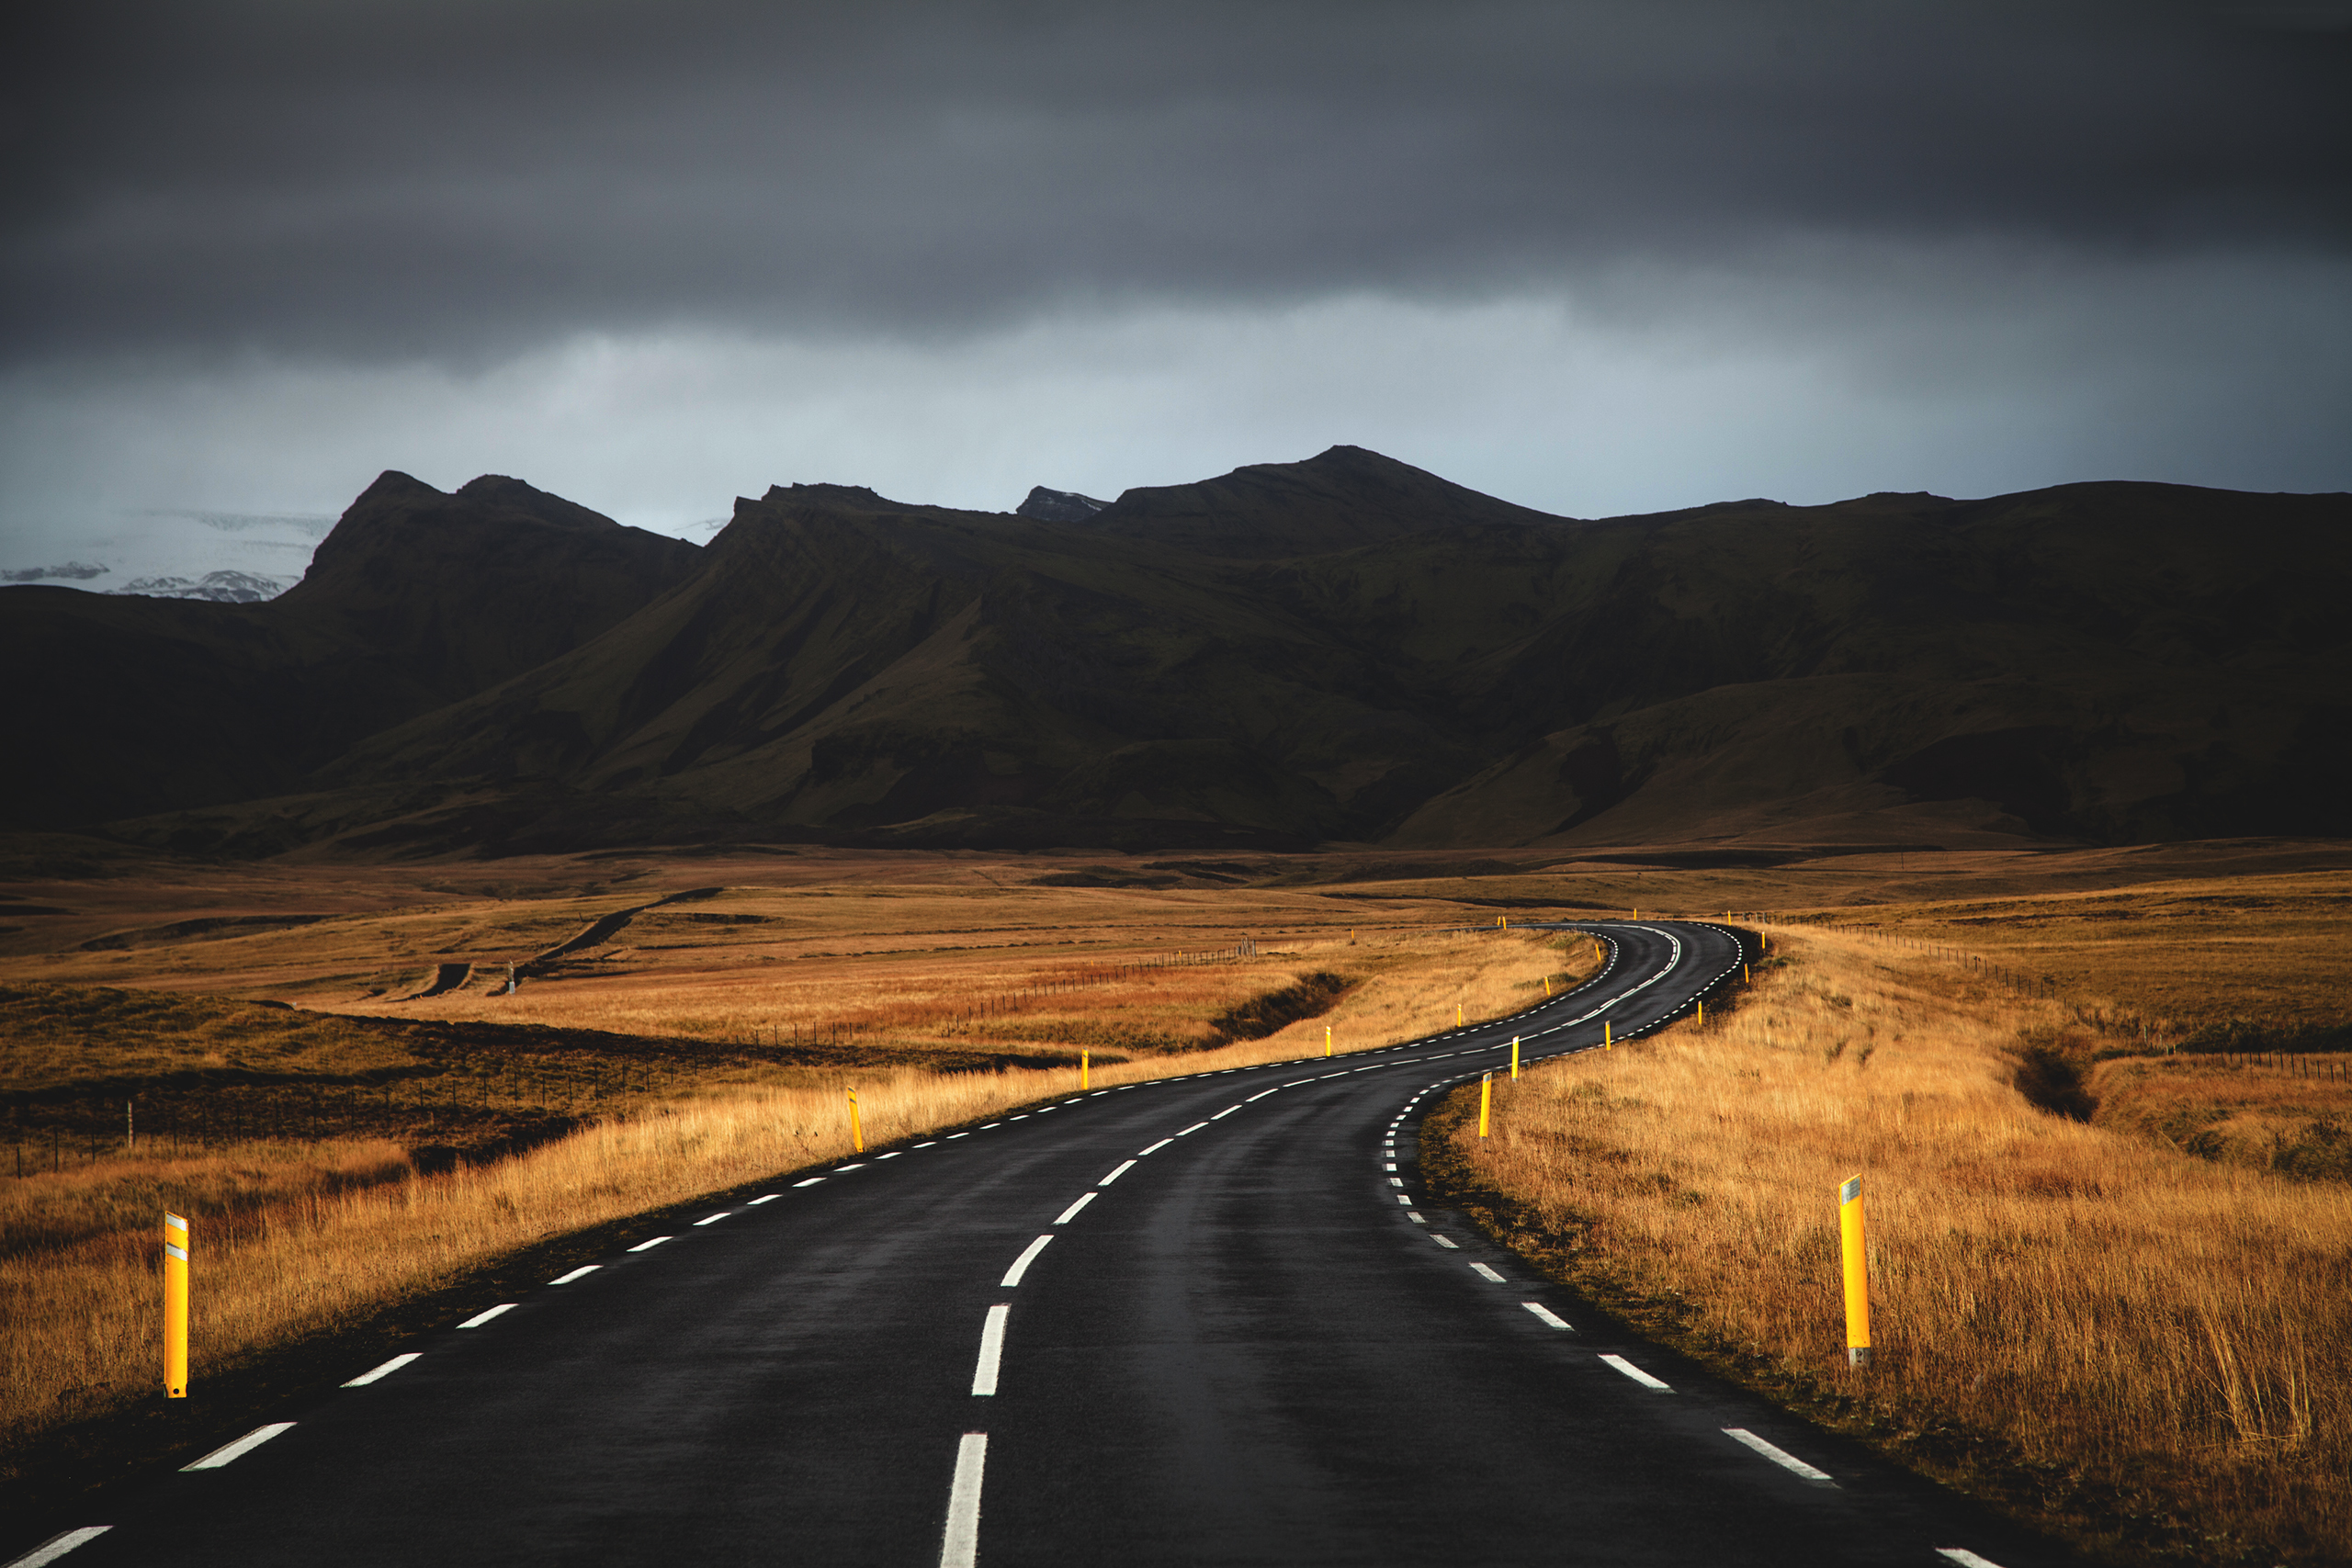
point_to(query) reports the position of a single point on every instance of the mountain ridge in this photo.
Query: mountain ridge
(1346, 649)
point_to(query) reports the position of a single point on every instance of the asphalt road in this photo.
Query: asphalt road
(1200, 1321)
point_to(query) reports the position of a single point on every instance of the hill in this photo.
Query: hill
(1343, 649)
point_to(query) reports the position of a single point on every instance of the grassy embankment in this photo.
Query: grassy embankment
(298, 1234)
(2147, 1350)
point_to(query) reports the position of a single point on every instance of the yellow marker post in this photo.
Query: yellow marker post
(1327, 1040)
(1547, 987)
(1457, 1015)
(174, 1307)
(1514, 1055)
(1085, 1061)
(856, 1129)
(1858, 1273)
(1500, 920)
(1606, 1037)
(1702, 1011)
(1486, 1099)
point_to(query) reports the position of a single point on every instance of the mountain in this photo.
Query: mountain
(1059, 505)
(1346, 649)
(129, 705)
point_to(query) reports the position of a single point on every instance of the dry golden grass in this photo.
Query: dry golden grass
(2174, 1334)
(2288, 1114)
(345, 1235)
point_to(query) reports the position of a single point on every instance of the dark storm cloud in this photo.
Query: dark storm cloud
(452, 180)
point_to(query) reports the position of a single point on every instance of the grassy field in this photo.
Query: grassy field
(303, 1225)
(2149, 1349)
(2038, 1032)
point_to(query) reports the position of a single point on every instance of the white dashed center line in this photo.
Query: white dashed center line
(1635, 1373)
(894, 1154)
(1263, 1092)
(762, 1197)
(1778, 1456)
(386, 1370)
(961, 1549)
(1486, 1273)
(838, 1169)
(1191, 1130)
(1071, 1213)
(1965, 1558)
(241, 1447)
(1444, 1241)
(1546, 1316)
(1021, 1264)
(1404, 1198)
(481, 1317)
(713, 1219)
(650, 1245)
(1125, 1166)
(1155, 1148)
(991, 1350)
(810, 1182)
(1224, 1113)
(580, 1273)
(57, 1546)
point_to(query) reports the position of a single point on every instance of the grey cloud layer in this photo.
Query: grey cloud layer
(454, 180)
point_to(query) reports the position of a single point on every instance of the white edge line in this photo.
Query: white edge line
(241, 1447)
(1021, 1264)
(481, 1317)
(580, 1273)
(1071, 1213)
(810, 1182)
(386, 1370)
(763, 1198)
(1778, 1456)
(991, 1350)
(57, 1546)
(1637, 1373)
(1192, 1129)
(1546, 1316)
(961, 1548)
(650, 1244)
(1960, 1554)
(1125, 1166)
(714, 1219)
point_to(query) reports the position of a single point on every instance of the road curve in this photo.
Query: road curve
(1202, 1320)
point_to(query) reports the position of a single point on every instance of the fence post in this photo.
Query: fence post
(1858, 1278)
(174, 1307)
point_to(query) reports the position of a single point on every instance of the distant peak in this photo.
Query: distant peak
(394, 485)
(1059, 505)
(855, 495)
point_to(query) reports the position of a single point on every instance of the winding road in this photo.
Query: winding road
(1203, 1321)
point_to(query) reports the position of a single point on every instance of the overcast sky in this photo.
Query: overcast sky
(1593, 258)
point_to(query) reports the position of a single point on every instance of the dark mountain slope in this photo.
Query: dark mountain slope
(415, 600)
(846, 663)
(1344, 648)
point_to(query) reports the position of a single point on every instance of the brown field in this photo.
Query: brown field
(293, 1138)
(368, 1143)
(2148, 1350)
